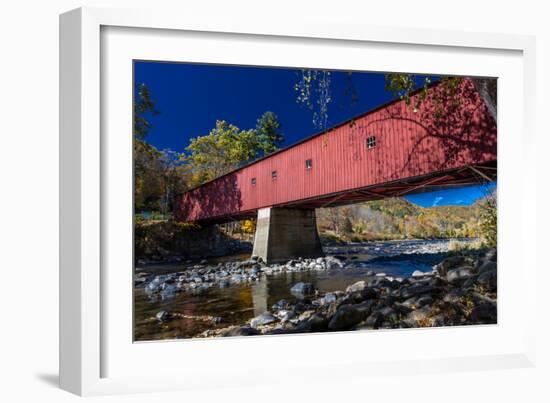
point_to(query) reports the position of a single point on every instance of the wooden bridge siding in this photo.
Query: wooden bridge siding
(341, 161)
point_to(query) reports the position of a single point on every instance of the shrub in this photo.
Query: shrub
(488, 220)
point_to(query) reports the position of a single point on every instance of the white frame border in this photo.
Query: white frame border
(80, 164)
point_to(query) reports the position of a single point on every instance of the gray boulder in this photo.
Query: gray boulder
(487, 266)
(163, 316)
(281, 304)
(448, 264)
(240, 331)
(264, 319)
(358, 286)
(491, 255)
(285, 315)
(329, 298)
(374, 320)
(438, 320)
(424, 300)
(459, 275)
(315, 323)
(416, 289)
(301, 289)
(488, 279)
(484, 313)
(348, 316)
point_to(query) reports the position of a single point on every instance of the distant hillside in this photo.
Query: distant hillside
(398, 219)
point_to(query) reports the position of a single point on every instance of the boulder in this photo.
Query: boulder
(163, 316)
(301, 289)
(420, 314)
(457, 276)
(281, 304)
(424, 300)
(491, 255)
(316, 323)
(358, 286)
(333, 263)
(388, 314)
(348, 316)
(418, 273)
(329, 298)
(488, 280)
(451, 262)
(438, 320)
(402, 309)
(374, 320)
(285, 315)
(379, 282)
(360, 296)
(240, 331)
(487, 266)
(408, 323)
(415, 289)
(469, 283)
(264, 319)
(484, 313)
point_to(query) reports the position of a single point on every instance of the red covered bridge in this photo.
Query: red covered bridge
(393, 150)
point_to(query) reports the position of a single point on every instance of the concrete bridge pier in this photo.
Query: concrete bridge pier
(285, 233)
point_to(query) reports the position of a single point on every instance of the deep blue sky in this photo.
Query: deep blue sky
(191, 97)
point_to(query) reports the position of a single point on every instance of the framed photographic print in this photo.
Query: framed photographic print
(234, 189)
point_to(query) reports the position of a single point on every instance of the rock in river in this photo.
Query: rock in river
(359, 286)
(264, 319)
(301, 289)
(163, 316)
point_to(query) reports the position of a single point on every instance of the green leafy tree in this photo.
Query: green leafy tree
(225, 148)
(268, 133)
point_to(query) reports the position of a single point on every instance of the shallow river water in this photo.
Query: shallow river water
(238, 303)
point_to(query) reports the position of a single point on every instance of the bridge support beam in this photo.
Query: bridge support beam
(283, 234)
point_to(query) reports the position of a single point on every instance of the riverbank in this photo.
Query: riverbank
(459, 291)
(325, 294)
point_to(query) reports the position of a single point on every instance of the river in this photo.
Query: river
(238, 303)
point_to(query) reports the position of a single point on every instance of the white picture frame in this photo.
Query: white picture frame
(86, 345)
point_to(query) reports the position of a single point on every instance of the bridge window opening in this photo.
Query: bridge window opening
(253, 181)
(371, 142)
(309, 164)
(273, 175)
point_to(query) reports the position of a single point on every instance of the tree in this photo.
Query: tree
(225, 148)
(268, 133)
(314, 91)
(158, 175)
(142, 106)
(488, 219)
(147, 185)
